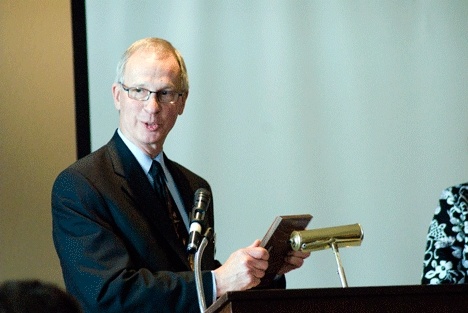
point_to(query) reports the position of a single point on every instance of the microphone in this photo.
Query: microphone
(201, 202)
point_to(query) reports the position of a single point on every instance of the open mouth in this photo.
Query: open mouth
(151, 126)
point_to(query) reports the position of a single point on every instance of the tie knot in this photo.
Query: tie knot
(156, 169)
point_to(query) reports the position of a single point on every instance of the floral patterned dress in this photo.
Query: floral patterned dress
(446, 256)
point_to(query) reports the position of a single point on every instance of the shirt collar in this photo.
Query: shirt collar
(143, 159)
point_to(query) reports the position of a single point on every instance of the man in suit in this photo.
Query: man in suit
(118, 239)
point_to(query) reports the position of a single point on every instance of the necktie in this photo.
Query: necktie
(157, 173)
(163, 193)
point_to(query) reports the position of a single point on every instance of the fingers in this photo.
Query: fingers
(243, 269)
(293, 260)
(297, 257)
(256, 258)
(255, 244)
(257, 253)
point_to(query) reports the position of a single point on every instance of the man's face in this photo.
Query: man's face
(147, 123)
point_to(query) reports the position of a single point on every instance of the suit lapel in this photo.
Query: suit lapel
(138, 188)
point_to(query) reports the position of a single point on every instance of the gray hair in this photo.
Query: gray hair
(160, 46)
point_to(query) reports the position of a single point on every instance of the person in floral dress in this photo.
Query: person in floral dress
(446, 256)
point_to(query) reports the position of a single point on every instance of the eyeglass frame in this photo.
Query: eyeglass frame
(157, 93)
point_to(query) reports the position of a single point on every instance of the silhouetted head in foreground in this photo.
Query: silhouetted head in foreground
(34, 296)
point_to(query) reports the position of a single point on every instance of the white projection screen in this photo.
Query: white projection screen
(351, 111)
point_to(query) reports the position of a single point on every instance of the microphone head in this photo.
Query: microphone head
(202, 199)
(201, 202)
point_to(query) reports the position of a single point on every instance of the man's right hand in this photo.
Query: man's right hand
(243, 269)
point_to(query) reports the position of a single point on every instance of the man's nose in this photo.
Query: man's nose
(152, 104)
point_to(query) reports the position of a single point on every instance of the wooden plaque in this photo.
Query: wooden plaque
(276, 241)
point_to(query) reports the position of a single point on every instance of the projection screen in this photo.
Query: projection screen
(351, 111)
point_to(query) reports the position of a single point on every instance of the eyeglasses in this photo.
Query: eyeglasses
(143, 94)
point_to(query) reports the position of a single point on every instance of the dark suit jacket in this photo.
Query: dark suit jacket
(116, 248)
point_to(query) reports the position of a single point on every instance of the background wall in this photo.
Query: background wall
(352, 111)
(37, 128)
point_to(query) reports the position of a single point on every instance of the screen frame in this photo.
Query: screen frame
(81, 83)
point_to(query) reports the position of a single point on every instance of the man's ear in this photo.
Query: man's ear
(116, 94)
(182, 103)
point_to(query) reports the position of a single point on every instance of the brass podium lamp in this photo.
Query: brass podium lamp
(330, 237)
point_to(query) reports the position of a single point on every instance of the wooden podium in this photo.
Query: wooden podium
(407, 299)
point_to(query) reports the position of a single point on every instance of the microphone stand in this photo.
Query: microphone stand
(197, 269)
